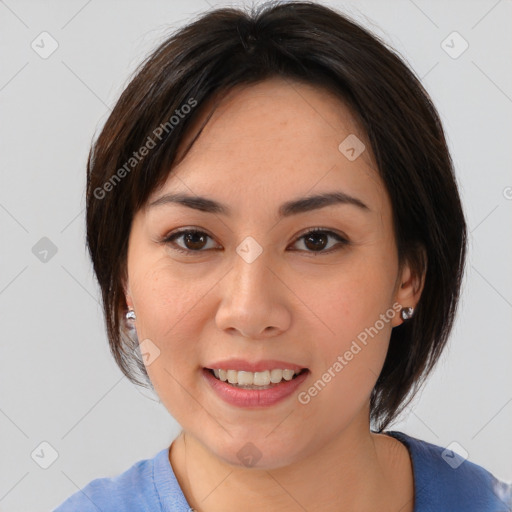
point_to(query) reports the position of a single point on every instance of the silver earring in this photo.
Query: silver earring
(406, 313)
(130, 320)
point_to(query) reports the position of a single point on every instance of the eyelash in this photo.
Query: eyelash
(169, 239)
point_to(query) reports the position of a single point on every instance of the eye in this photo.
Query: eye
(192, 237)
(315, 240)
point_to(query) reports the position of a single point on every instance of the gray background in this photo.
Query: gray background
(58, 382)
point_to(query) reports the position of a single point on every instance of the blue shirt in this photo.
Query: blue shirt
(443, 482)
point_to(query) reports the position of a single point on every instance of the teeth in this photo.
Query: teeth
(253, 379)
(245, 378)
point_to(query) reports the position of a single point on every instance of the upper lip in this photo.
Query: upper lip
(258, 366)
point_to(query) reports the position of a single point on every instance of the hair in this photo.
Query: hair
(311, 43)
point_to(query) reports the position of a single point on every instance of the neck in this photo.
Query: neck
(357, 470)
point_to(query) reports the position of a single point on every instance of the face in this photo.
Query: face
(255, 283)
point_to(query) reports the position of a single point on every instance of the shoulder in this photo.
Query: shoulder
(444, 480)
(134, 489)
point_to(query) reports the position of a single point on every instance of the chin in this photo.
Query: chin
(258, 452)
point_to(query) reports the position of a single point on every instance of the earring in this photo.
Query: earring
(130, 319)
(406, 313)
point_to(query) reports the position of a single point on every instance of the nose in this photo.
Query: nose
(253, 300)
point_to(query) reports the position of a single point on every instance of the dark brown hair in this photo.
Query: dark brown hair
(314, 44)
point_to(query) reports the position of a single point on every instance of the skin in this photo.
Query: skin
(266, 144)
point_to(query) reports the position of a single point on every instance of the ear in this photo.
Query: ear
(410, 285)
(127, 292)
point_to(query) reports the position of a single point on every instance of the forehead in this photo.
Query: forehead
(274, 140)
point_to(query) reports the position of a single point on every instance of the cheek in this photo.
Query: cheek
(355, 314)
(169, 314)
(168, 304)
(348, 362)
(173, 314)
(350, 301)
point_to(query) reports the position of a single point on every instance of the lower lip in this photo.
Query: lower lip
(254, 397)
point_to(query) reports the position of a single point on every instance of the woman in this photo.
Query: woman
(274, 222)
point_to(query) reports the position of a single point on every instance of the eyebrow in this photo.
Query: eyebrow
(296, 206)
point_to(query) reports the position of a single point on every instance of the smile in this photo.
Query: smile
(255, 380)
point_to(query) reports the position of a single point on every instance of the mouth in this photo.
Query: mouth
(265, 379)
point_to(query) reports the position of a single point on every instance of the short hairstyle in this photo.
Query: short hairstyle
(314, 44)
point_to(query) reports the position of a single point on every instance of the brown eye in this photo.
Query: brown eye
(317, 239)
(193, 240)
